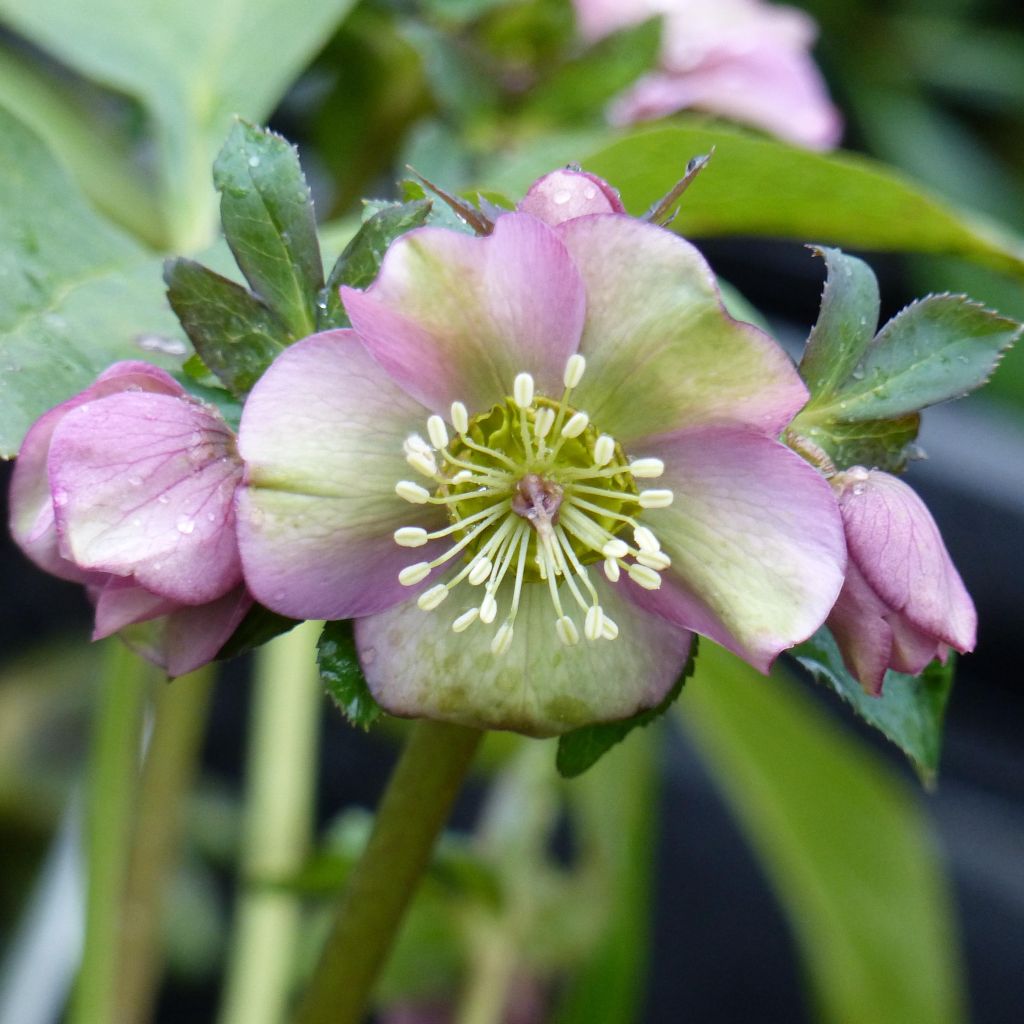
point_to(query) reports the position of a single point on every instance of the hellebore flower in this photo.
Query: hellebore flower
(744, 59)
(600, 476)
(903, 603)
(128, 488)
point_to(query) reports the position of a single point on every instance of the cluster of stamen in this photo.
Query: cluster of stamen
(551, 496)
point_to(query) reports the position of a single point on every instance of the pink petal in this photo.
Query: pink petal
(120, 603)
(897, 546)
(662, 353)
(416, 666)
(322, 435)
(566, 194)
(31, 500)
(861, 628)
(455, 318)
(755, 539)
(143, 486)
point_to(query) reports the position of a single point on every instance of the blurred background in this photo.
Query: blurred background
(472, 93)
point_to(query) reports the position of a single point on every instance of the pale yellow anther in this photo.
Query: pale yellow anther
(610, 629)
(543, 422)
(460, 417)
(576, 425)
(644, 576)
(647, 469)
(655, 499)
(462, 477)
(412, 492)
(615, 548)
(522, 390)
(465, 620)
(437, 431)
(423, 463)
(656, 560)
(411, 536)
(611, 570)
(502, 639)
(415, 443)
(574, 368)
(431, 598)
(593, 624)
(645, 539)
(413, 574)
(480, 571)
(488, 608)
(604, 449)
(567, 631)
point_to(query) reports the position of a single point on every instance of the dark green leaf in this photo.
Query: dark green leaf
(846, 324)
(359, 263)
(235, 334)
(342, 676)
(258, 627)
(580, 749)
(77, 294)
(877, 444)
(938, 348)
(268, 221)
(910, 711)
(583, 86)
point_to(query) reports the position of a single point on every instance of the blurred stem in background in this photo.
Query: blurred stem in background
(410, 817)
(278, 827)
(170, 767)
(112, 785)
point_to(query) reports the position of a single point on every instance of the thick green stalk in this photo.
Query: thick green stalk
(109, 809)
(167, 774)
(278, 827)
(413, 811)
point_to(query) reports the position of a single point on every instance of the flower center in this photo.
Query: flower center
(534, 492)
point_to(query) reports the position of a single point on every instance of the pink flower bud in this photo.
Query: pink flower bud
(128, 487)
(903, 602)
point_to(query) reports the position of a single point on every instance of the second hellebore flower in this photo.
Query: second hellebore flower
(128, 488)
(599, 476)
(903, 603)
(744, 59)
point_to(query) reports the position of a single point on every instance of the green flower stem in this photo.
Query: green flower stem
(112, 784)
(167, 774)
(415, 807)
(278, 827)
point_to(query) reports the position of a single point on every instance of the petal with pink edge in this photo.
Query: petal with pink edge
(565, 194)
(31, 501)
(143, 486)
(662, 353)
(755, 538)
(897, 546)
(120, 602)
(416, 666)
(861, 629)
(455, 318)
(322, 436)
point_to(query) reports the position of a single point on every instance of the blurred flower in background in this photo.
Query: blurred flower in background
(744, 59)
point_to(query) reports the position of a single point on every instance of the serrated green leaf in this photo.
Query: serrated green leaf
(342, 676)
(844, 842)
(360, 261)
(877, 444)
(845, 326)
(910, 711)
(938, 348)
(193, 65)
(580, 749)
(583, 86)
(234, 333)
(258, 627)
(267, 214)
(77, 294)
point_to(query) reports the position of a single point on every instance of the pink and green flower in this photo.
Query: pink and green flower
(539, 462)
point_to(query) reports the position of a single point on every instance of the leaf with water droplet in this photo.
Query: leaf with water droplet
(268, 223)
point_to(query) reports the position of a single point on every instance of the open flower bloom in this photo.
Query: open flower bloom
(903, 603)
(540, 459)
(128, 488)
(744, 59)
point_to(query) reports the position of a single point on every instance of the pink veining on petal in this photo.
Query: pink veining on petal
(455, 318)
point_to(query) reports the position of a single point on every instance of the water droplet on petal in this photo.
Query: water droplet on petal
(562, 197)
(185, 525)
(60, 497)
(254, 161)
